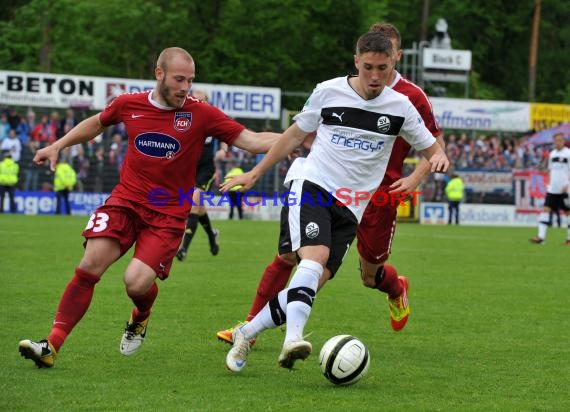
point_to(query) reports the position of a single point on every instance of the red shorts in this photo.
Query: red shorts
(375, 232)
(157, 236)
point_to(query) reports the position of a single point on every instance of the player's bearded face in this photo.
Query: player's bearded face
(173, 97)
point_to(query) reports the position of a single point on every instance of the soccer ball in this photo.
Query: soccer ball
(344, 359)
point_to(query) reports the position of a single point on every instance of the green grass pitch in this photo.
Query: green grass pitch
(489, 326)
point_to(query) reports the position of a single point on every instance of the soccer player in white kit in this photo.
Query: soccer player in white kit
(357, 120)
(377, 228)
(557, 190)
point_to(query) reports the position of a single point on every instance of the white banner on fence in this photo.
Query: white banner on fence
(471, 214)
(481, 114)
(83, 204)
(44, 203)
(90, 92)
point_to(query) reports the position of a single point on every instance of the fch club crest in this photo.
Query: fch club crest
(182, 121)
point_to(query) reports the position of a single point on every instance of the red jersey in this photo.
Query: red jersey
(164, 147)
(401, 148)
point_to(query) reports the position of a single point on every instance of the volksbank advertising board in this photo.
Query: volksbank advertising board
(90, 92)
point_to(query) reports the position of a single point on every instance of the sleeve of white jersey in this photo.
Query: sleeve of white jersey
(309, 118)
(414, 130)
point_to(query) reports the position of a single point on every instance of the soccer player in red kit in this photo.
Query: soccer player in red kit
(376, 230)
(148, 208)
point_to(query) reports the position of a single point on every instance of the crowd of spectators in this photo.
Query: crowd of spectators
(491, 152)
(98, 162)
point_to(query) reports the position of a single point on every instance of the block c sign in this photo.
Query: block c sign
(447, 59)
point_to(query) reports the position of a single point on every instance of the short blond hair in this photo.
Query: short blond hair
(168, 54)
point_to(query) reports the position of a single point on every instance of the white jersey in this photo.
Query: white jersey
(559, 167)
(354, 139)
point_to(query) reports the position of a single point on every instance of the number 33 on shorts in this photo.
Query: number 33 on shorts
(97, 222)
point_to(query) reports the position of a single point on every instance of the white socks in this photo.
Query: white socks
(307, 278)
(543, 220)
(295, 301)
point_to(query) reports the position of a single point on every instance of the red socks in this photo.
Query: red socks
(72, 306)
(273, 281)
(388, 281)
(143, 304)
(76, 300)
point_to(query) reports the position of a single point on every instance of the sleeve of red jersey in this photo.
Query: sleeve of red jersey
(223, 127)
(424, 107)
(111, 114)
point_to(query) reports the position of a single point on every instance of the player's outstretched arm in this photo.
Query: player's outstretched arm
(256, 143)
(285, 144)
(83, 132)
(411, 182)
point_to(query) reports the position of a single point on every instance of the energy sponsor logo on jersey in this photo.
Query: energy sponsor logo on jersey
(365, 143)
(157, 145)
(182, 121)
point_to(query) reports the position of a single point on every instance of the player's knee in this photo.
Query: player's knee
(139, 277)
(94, 266)
(89, 267)
(136, 289)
